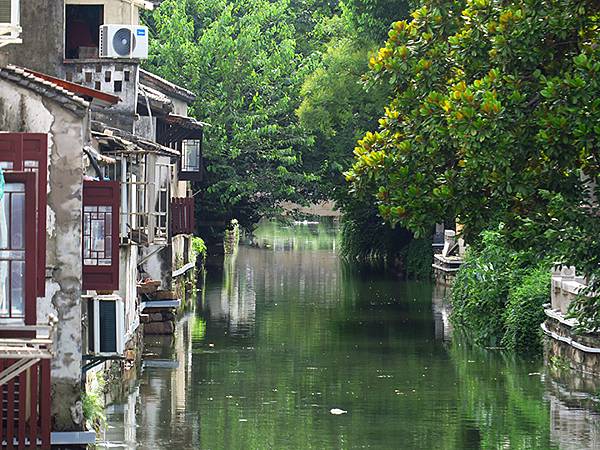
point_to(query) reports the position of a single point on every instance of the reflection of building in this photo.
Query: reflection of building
(441, 312)
(574, 424)
(164, 384)
(234, 301)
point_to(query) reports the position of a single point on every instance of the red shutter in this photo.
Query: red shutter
(29, 180)
(182, 216)
(11, 151)
(35, 148)
(28, 152)
(101, 253)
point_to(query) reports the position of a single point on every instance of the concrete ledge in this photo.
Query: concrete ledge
(567, 340)
(160, 364)
(160, 304)
(183, 269)
(72, 437)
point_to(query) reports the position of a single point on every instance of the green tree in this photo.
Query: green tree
(336, 110)
(240, 59)
(495, 120)
(493, 114)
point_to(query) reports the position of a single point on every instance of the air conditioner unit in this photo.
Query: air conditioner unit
(123, 41)
(106, 325)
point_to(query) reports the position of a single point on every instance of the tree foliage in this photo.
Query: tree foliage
(494, 119)
(240, 59)
(499, 293)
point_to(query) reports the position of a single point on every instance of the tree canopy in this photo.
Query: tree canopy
(494, 120)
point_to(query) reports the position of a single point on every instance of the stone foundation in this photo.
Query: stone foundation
(157, 321)
(564, 348)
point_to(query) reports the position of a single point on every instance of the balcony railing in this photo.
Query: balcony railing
(24, 391)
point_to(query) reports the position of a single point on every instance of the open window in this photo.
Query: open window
(82, 30)
(28, 152)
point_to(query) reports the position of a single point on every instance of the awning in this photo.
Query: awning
(178, 128)
(131, 145)
(158, 101)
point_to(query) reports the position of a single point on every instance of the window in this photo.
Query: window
(10, 29)
(191, 160)
(82, 30)
(18, 249)
(12, 251)
(190, 157)
(100, 235)
(28, 152)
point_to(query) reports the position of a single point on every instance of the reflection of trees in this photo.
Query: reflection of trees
(502, 400)
(290, 335)
(229, 296)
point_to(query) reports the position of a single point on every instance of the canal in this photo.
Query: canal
(290, 348)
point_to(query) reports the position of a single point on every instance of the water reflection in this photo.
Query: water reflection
(286, 332)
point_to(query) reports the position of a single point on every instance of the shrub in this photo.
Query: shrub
(93, 405)
(199, 247)
(419, 254)
(524, 312)
(498, 294)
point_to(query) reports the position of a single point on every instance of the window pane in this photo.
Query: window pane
(4, 214)
(98, 235)
(17, 219)
(17, 289)
(4, 292)
(191, 156)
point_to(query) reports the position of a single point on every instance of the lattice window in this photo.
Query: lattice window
(100, 249)
(97, 235)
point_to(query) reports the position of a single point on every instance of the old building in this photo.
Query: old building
(97, 156)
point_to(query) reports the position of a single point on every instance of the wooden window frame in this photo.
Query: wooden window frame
(29, 180)
(19, 149)
(102, 277)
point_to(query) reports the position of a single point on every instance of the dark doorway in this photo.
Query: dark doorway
(82, 30)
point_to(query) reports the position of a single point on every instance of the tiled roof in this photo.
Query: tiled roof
(166, 87)
(43, 87)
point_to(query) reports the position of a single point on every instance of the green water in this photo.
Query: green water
(286, 332)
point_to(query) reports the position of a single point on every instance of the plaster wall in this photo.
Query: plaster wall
(43, 37)
(180, 107)
(128, 277)
(115, 11)
(24, 111)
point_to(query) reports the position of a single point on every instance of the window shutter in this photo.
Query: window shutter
(108, 326)
(35, 159)
(11, 151)
(101, 235)
(182, 216)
